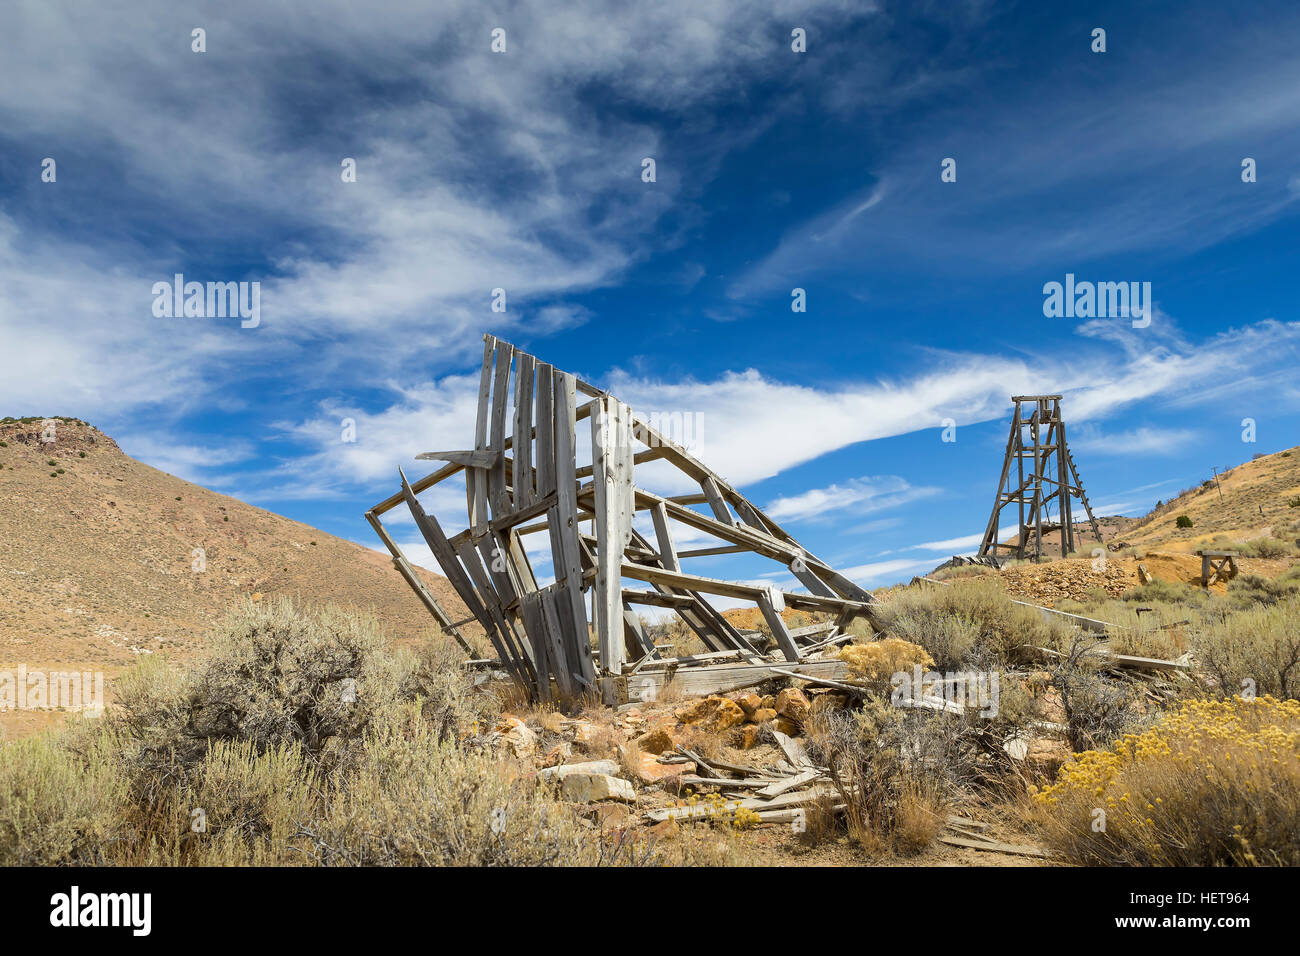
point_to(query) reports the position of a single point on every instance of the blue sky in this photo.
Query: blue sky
(775, 170)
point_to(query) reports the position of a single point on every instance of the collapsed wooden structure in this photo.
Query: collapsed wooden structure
(524, 477)
(1051, 477)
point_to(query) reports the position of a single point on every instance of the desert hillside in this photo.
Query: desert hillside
(98, 559)
(1253, 500)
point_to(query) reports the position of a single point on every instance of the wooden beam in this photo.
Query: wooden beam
(499, 498)
(749, 592)
(522, 438)
(611, 444)
(772, 603)
(562, 522)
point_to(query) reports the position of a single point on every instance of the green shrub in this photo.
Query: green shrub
(1183, 521)
(1256, 649)
(57, 807)
(258, 756)
(1267, 548)
(971, 623)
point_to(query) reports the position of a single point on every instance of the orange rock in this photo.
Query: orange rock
(663, 830)
(556, 755)
(650, 771)
(749, 703)
(713, 714)
(763, 715)
(745, 737)
(792, 703)
(787, 726)
(657, 740)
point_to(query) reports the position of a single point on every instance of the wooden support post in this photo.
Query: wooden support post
(611, 443)
(562, 521)
(772, 603)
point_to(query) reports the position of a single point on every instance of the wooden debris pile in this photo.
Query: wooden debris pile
(523, 477)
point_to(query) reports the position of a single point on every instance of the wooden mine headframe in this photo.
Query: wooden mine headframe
(523, 476)
(1044, 473)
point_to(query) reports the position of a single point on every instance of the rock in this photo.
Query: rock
(787, 726)
(514, 733)
(745, 737)
(657, 740)
(762, 715)
(611, 816)
(554, 722)
(749, 703)
(590, 766)
(713, 714)
(792, 703)
(663, 830)
(557, 755)
(650, 771)
(588, 735)
(585, 787)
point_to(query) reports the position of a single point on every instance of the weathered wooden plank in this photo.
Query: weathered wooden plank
(708, 552)
(611, 443)
(466, 459)
(562, 521)
(498, 496)
(771, 603)
(664, 537)
(545, 413)
(814, 584)
(784, 801)
(522, 446)
(406, 570)
(492, 547)
(699, 681)
(476, 481)
(714, 498)
(535, 627)
(658, 598)
(788, 783)
(793, 750)
(525, 513)
(563, 668)
(750, 592)
(520, 650)
(461, 582)
(639, 646)
(991, 846)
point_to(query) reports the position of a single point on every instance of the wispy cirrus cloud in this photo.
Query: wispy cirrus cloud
(857, 496)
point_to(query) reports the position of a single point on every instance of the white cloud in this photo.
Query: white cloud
(387, 275)
(951, 545)
(857, 496)
(1138, 441)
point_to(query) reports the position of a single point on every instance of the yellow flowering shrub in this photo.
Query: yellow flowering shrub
(1215, 782)
(879, 660)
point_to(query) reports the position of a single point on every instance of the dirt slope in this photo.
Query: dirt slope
(1255, 502)
(97, 564)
